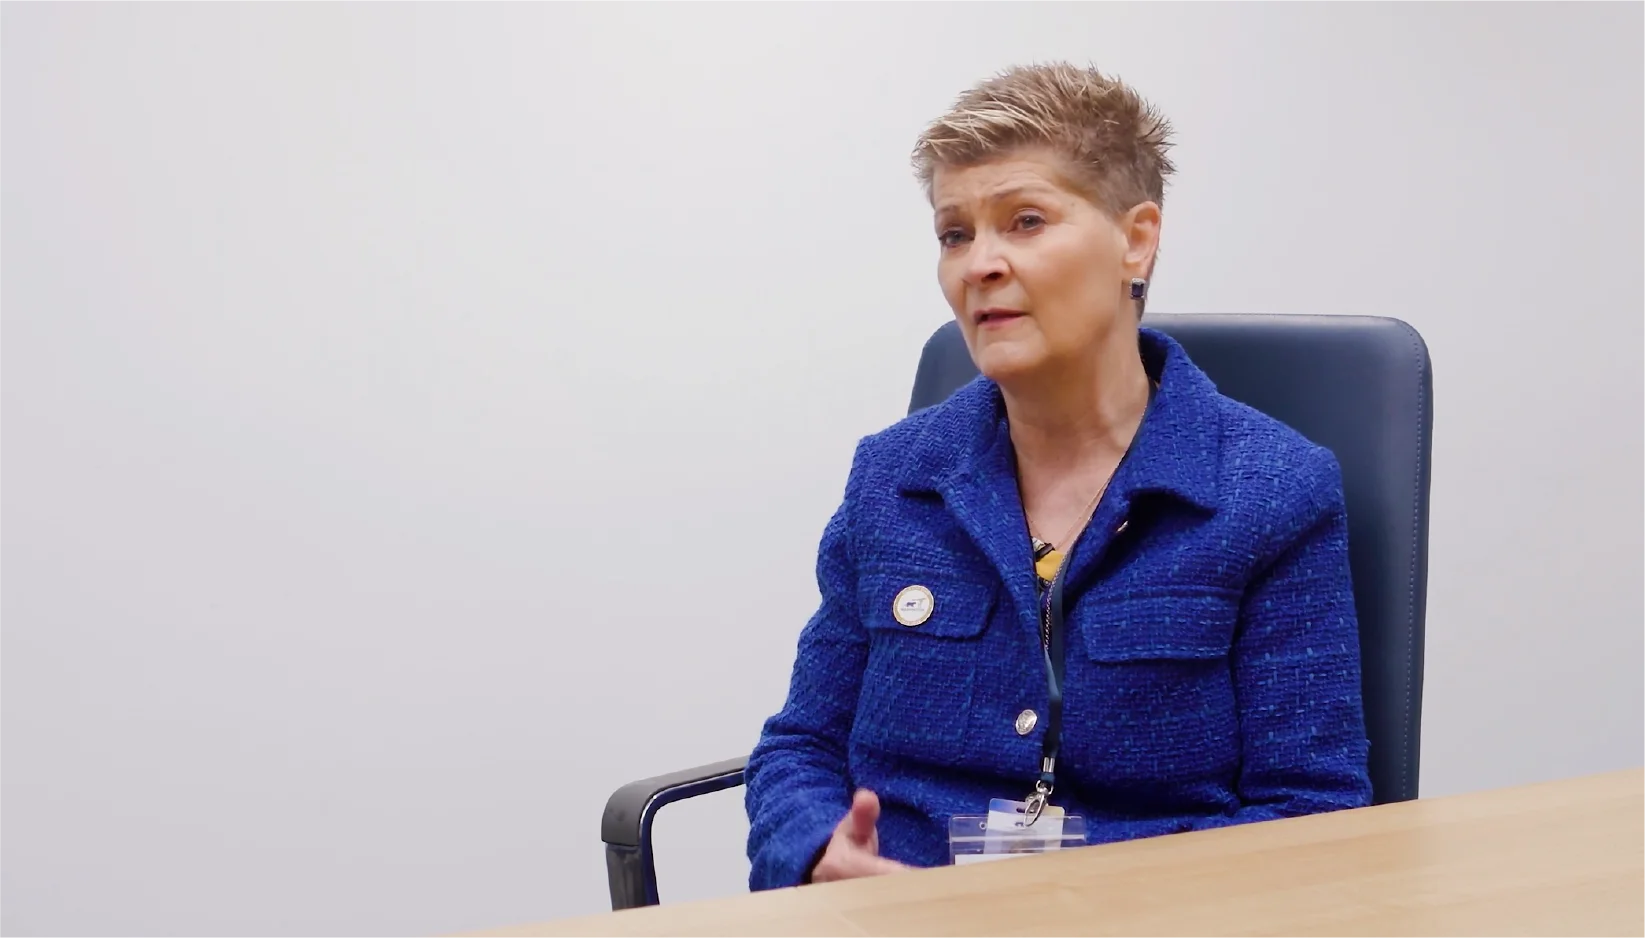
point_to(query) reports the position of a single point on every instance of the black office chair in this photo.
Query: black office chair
(1359, 385)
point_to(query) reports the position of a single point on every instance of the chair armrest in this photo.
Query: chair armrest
(626, 826)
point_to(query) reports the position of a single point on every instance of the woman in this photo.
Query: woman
(1190, 552)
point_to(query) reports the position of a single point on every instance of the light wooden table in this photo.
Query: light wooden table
(1562, 858)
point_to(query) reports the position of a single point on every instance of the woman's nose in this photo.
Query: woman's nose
(985, 263)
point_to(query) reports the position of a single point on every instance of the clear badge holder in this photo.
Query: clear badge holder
(1004, 833)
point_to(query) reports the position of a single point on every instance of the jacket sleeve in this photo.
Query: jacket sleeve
(798, 777)
(1297, 669)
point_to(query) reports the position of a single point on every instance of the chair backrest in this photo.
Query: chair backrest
(1362, 387)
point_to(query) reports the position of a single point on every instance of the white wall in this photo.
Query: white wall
(420, 420)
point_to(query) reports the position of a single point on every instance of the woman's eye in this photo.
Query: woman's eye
(953, 237)
(1030, 221)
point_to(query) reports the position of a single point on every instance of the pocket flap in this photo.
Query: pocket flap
(943, 607)
(1187, 625)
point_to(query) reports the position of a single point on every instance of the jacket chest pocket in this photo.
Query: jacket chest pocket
(925, 637)
(1159, 681)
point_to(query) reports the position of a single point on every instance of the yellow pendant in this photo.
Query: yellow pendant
(1048, 565)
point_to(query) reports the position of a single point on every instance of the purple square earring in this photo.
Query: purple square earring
(1139, 288)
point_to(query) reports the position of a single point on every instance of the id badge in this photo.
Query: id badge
(1004, 833)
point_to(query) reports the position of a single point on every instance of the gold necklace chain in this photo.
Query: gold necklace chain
(1047, 556)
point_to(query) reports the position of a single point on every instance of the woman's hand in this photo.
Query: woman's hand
(854, 850)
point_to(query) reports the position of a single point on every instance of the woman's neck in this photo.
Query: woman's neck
(1078, 421)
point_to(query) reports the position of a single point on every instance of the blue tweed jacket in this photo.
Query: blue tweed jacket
(1213, 672)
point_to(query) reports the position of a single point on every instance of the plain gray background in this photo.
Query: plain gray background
(420, 420)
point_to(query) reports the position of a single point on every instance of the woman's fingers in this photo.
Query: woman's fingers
(880, 866)
(847, 860)
(854, 850)
(860, 822)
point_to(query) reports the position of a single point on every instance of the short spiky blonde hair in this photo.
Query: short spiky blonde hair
(1116, 140)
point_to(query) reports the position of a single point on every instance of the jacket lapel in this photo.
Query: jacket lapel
(1176, 452)
(965, 458)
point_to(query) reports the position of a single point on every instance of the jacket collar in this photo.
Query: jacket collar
(966, 441)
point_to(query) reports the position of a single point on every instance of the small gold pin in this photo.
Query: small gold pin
(913, 605)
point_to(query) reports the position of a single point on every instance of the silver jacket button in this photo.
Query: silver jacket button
(1026, 721)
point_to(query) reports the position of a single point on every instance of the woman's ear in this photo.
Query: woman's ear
(1141, 227)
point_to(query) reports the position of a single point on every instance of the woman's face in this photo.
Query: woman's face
(1035, 272)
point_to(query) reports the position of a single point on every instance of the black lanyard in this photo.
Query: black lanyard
(1051, 610)
(1053, 645)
